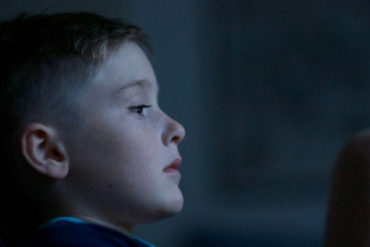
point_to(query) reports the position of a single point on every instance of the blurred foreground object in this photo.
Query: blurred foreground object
(348, 217)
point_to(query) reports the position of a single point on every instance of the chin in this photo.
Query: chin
(170, 207)
(178, 204)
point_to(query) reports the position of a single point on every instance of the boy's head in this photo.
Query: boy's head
(83, 133)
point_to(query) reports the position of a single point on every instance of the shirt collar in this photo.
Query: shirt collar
(79, 221)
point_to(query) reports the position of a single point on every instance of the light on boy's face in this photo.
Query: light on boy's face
(125, 158)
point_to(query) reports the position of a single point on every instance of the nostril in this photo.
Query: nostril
(174, 132)
(179, 133)
(176, 139)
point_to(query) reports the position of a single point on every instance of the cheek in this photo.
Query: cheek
(132, 153)
(94, 149)
(110, 151)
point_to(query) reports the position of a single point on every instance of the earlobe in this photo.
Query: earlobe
(43, 150)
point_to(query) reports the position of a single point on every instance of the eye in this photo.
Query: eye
(140, 109)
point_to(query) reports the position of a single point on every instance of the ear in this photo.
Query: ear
(44, 151)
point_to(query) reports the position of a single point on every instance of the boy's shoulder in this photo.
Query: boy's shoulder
(65, 231)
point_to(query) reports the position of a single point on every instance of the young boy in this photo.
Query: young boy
(87, 152)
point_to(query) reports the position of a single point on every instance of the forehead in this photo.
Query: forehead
(126, 66)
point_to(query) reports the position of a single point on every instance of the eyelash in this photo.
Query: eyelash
(139, 109)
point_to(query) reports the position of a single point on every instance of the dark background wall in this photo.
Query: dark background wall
(269, 91)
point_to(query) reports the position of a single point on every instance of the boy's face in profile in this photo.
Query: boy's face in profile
(124, 158)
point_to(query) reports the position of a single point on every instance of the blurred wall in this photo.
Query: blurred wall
(269, 91)
(112, 8)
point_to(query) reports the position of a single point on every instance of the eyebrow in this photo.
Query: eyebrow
(139, 83)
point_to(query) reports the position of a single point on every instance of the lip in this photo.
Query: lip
(173, 167)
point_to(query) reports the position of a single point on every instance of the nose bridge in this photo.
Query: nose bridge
(173, 132)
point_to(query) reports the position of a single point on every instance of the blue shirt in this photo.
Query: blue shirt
(73, 232)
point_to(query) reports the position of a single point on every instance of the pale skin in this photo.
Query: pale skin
(119, 168)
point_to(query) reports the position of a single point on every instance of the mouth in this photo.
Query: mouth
(173, 167)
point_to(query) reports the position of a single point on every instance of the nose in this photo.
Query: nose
(174, 132)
